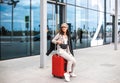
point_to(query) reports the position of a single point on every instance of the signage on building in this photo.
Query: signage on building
(27, 19)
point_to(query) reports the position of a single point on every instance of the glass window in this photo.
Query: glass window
(71, 1)
(111, 6)
(6, 16)
(108, 6)
(16, 27)
(119, 9)
(62, 1)
(71, 20)
(51, 23)
(82, 3)
(96, 25)
(81, 28)
(93, 4)
(100, 25)
(101, 5)
(92, 26)
(119, 28)
(59, 1)
(35, 27)
(96, 4)
(109, 28)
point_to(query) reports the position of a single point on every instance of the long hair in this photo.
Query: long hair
(62, 33)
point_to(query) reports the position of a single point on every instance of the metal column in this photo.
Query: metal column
(116, 25)
(43, 32)
(104, 33)
(56, 11)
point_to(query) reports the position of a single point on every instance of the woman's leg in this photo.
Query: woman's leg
(71, 62)
(73, 65)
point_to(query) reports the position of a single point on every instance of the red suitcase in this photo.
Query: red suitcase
(58, 66)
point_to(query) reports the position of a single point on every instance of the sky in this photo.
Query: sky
(23, 9)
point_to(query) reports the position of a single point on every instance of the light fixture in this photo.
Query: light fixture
(12, 2)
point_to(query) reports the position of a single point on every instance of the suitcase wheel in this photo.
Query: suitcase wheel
(58, 77)
(54, 76)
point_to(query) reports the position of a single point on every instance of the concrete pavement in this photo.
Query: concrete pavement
(94, 65)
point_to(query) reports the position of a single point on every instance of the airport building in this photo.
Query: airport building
(91, 23)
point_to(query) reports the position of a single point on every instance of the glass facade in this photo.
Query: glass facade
(91, 23)
(15, 29)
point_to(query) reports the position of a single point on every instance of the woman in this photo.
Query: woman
(64, 49)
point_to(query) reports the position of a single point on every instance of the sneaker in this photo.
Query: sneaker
(73, 75)
(67, 77)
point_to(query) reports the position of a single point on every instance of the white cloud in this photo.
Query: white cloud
(6, 14)
(19, 21)
(27, 2)
(94, 2)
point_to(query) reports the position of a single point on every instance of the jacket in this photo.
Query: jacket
(53, 43)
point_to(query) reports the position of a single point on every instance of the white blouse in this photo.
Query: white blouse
(65, 40)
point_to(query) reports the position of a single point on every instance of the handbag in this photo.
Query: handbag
(63, 46)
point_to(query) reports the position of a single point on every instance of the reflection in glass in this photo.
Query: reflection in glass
(36, 27)
(71, 1)
(84, 17)
(63, 1)
(59, 0)
(93, 4)
(51, 23)
(71, 21)
(82, 3)
(92, 23)
(101, 25)
(109, 29)
(81, 28)
(96, 4)
(13, 21)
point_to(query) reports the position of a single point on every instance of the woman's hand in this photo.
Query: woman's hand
(59, 42)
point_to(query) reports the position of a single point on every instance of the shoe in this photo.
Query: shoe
(73, 75)
(67, 77)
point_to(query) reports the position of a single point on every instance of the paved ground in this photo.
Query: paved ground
(94, 65)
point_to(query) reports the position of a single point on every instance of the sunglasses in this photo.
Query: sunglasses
(63, 27)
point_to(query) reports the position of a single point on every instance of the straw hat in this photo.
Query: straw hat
(64, 25)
